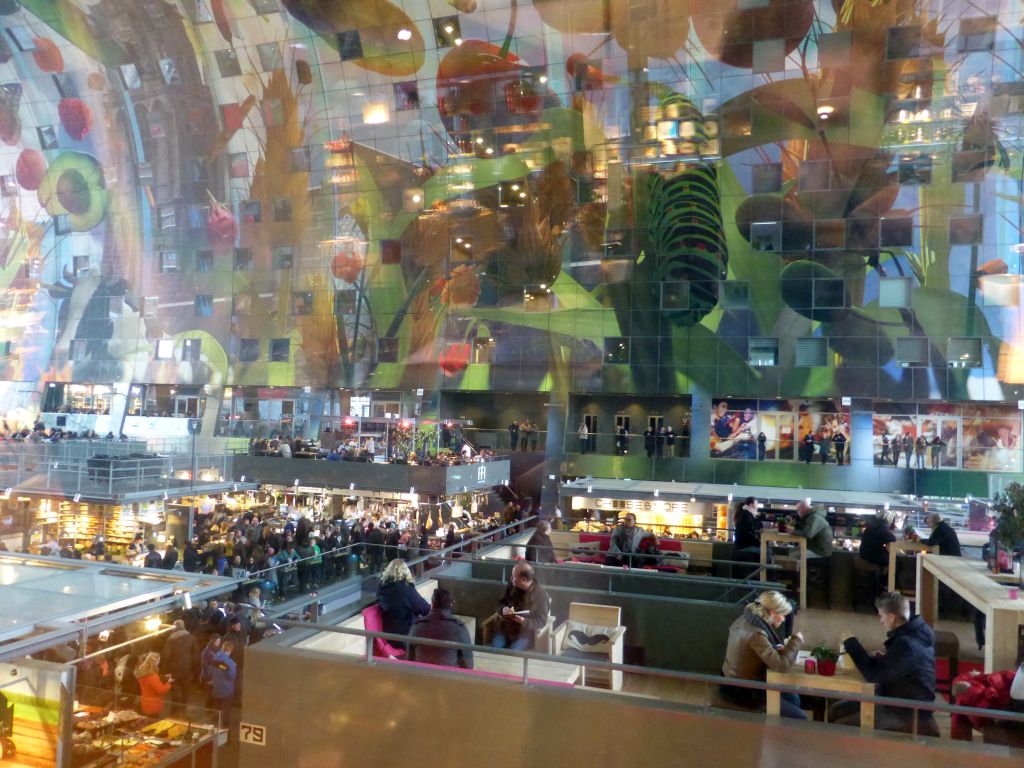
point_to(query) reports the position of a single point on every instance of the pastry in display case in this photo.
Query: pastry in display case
(126, 739)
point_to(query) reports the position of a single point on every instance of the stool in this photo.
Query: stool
(868, 579)
(819, 579)
(947, 646)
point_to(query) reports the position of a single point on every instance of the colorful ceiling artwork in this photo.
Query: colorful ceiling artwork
(777, 198)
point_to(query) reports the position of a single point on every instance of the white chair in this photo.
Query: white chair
(592, 621)
(542, 638)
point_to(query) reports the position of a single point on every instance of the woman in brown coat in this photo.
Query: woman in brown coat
(756, 646)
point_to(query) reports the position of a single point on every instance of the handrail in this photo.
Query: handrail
(696, 677)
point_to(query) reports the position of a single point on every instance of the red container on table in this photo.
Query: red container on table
(810, 666)
(826, 668)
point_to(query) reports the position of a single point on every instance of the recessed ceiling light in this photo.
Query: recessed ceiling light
(405, 34)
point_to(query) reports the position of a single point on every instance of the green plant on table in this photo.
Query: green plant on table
(825, 653)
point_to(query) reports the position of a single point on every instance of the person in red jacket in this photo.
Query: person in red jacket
(154, 687)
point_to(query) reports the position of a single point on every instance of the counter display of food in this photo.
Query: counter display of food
(124, 738)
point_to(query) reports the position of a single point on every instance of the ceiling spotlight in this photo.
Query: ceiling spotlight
(405, 34)
(543, 79)
(78, 497)
(449, 28)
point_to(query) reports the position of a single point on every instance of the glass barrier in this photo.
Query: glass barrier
(123, 728)
(838, 701)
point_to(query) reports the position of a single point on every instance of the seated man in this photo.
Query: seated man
(522, 610)
(812, 525)
(440, 624)
(905, 670)
(624, 548)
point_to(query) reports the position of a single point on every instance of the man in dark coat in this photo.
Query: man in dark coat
(180, 659)
(522, 610)
(943, 536)
(905, 670)
(153, 558)
(440, 624)
(170, 556)
(873, 540)
(539, 548)
(191, 559)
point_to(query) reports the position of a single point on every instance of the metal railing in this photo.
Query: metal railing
(710, 685)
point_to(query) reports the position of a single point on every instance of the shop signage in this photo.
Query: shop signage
(470, 477)
(250, 733)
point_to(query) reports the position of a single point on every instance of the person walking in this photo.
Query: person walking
(762, 445)
(825, 446)
(513, 434)
(897, 446)
(885, 458)
(908, 448)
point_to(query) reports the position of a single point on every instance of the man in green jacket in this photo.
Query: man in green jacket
(813, 526)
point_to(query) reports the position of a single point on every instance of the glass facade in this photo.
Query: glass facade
(774, 199)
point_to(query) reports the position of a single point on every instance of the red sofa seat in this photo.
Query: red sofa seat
(373, 621)
(480, 673)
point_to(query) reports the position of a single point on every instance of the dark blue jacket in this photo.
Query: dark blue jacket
(907, 668)
(945, 538)
(399, 604)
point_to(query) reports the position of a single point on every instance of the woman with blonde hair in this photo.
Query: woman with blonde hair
(756, 646)
(398, 599)
(153, 687)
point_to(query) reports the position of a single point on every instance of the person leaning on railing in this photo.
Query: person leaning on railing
(539, 548)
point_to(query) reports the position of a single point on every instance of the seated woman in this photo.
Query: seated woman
(398, 599)
(756, 646)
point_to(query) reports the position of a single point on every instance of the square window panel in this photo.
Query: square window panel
(169, 71)
(978, 34)
(204, 305)
(762, 351)
(47, 137)
(227, 62)
(252, 212)
(965, 230)
(284, 257)
(814, 175)
(350, 45)
(829, 234)
(675, 295)
(300, 159)
(894, 292)
(391, 251)
(130, 76)
(407, 96)
(238, 165)
(769, 55)
(249, 350)
(897, 232)
(766, 235)
(243, 260)
(963, 353)
(767, 178)
(280, 349)
(811, 352)
(270, 56)
(616, 350)
(735, 294)
(204, 261)
(914, 169)
(912, 351)
(345, 301)
(834, 49)
(165, 349)
(903, 42)
(282, 209)
(387, 350)
(191, 350)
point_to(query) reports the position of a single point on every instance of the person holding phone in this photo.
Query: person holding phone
(522, 610)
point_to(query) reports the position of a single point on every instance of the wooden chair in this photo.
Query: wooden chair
(542, 638)
(594, 615)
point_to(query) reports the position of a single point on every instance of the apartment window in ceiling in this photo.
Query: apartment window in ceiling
(616, 350)
(387, 349)
(978, 34)
(284, 257)
(190, 350)
(350, 45)
(302, 302)
(204, 261)
(270, 56)
(165, 349)
(169, 262)
(79, 350)
(963, 353)
(243, 260)
(912, 352)
(811, 352)
(735, 294)
(249, 352)
(227, 62)
(894, 292)
(762, 351)
(280, 349)
(204, 305)
(767, 178)
(675, 295)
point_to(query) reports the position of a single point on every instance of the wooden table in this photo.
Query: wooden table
(897, 547)
(972, 581)
(846, 680)
(786, 538)
(546, 671)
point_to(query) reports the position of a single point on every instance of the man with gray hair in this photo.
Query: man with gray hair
(904, 670)
(539, 548)
(943, 536)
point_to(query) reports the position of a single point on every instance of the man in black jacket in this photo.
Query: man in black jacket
(943, 536)
(539, 548)
(522, 610)
(905, 670)
(440, 624)
(873, 540)
(180, 659)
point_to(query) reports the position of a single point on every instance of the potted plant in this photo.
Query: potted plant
(1008, 507)
(826, 657)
